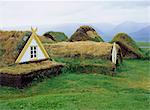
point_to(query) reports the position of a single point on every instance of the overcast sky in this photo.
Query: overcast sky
(53, 13)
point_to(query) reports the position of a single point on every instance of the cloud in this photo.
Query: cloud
(52, 13)
(128, 4)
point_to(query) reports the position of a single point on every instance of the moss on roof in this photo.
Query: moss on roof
(85, 33)
(56, 36)
(125, 41)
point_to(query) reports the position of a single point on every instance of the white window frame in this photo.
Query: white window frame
(33, 52)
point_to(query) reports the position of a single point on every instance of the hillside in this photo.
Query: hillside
(142, 34)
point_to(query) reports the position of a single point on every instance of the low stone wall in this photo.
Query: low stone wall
(23, 80)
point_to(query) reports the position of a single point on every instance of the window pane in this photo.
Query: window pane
(31, 56)
(33, 51)
(31, 48)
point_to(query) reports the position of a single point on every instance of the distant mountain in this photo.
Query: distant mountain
(101, 28)
(142, 34)
(132, 29)
(129, 27)
(139, 31)
(107, 31)
(104, 29)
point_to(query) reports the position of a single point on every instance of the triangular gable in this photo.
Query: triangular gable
(32, 37)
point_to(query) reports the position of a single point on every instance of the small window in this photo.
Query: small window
(33, 51)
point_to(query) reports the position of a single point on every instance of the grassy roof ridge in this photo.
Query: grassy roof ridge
(127, 40)
(57, 36)
(124, 37)
(84, 33)
(30, 67)
(88, 49)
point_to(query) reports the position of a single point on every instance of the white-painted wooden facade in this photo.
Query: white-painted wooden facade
(33, 50)
(27, 55)
(114, 53)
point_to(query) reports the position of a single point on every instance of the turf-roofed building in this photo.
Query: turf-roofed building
(128, 46)
(24, 58)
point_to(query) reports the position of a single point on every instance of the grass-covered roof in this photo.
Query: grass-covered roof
(85, 33)
(11, 44)
(128, 45)
(56, 36)
(28, 68)
(80, 48)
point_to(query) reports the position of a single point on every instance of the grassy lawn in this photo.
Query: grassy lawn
(128, 90)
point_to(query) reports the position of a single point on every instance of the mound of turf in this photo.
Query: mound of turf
(85, 49)
(85, 33)
(128, 46)
(56, 36)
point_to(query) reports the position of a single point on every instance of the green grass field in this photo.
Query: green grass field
(128, 90)
(145, 47)
(143, 43)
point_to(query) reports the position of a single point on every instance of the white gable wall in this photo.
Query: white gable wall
(114, 53)
(27, 55)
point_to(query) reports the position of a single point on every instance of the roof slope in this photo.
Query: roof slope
(85, 33)
(56, 36)
(128, 46)
(12, 43)
(80, 48)
(28, 68)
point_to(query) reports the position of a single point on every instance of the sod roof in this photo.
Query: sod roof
(127, 44)
(56, 36)
(45, 39)
(80, 48)
(11, 44)
(27, 68)
(85, 33)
